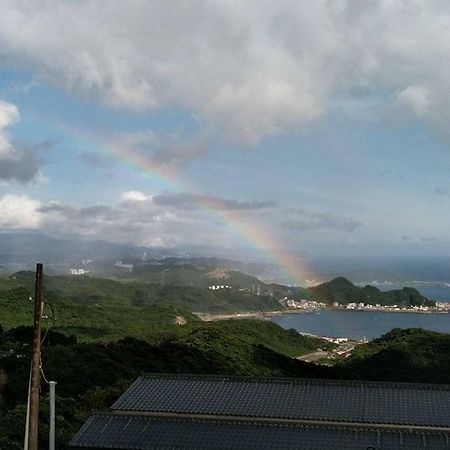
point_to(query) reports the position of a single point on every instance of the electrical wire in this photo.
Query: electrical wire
(45, 336)
(42, 371)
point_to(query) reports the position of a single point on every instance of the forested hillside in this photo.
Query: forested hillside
(342, 291)
(97, 308)
(91, 375)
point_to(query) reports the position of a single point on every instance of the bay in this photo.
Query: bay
(361, 324)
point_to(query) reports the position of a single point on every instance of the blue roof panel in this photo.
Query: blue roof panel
(127, 432)
(282, 398)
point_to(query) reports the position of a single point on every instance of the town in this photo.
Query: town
(309, 306)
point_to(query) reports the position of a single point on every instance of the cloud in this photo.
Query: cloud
(251, 69)
(319, 220)
(136, 218)
(440, 191)
(24, 167)
(134, 196)
(17, 162)
(166, 152)
(9, 114)
(416, 98)
(95, 159)
(19, 212)
(172, 155)
(186, 200)
(419, 239)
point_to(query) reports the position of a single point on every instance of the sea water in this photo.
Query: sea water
(361, 324)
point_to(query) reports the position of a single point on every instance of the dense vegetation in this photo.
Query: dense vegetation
(97, 308)
(104, 333)
(342, 291)
(196, 275)
(411, 355)
(91, 375)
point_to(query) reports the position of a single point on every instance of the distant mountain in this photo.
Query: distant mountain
(25, 248)
(178, 273)
(205, 262)
(344, 291)
(372, 276)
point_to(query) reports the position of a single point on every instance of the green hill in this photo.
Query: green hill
(91, 376)
(180, 273)
(242, 343)
(101, 308)
(409, 355)
(343, 291)
(94, 309)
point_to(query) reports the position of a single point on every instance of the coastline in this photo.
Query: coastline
(265, 315)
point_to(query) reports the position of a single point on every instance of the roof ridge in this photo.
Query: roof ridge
(290, 380)
(262, 421)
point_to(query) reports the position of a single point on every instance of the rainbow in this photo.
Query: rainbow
(260, 237)
(256, 234)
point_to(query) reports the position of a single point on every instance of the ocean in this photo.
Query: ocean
(361, 324)
(369, 324)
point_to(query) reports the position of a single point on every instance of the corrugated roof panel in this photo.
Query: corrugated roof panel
(147, 433)
(388, 403)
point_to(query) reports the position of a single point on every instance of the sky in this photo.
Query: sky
(316, 127)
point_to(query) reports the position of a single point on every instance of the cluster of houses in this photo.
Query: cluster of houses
(79, 271)
(302, 304)
(215, 288)
(366, 306)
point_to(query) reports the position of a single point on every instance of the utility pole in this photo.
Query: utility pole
(35, 380)
(51, 435)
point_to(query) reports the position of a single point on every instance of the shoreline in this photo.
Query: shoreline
(265, 315)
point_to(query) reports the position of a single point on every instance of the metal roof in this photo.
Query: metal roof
(112, 431)
(284, 398)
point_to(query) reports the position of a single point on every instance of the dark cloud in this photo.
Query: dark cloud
(57, 208)
(97, 211)
(186, 200)
(95, 159)
(23, 169)
(74, 214)
(320, 220)
(178, 154)
(419, 239)
(23, 165)
(440, 191)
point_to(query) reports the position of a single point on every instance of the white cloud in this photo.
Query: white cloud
(17, 162)
(19, 212)
(8, 114)
(134, 196)
(417, 98)
(135, 219)
(253, 69)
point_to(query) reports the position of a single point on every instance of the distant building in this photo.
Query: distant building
(207, 412)
(125, 266)
(79, 271)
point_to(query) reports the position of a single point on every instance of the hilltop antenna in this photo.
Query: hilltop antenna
(32, 424)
